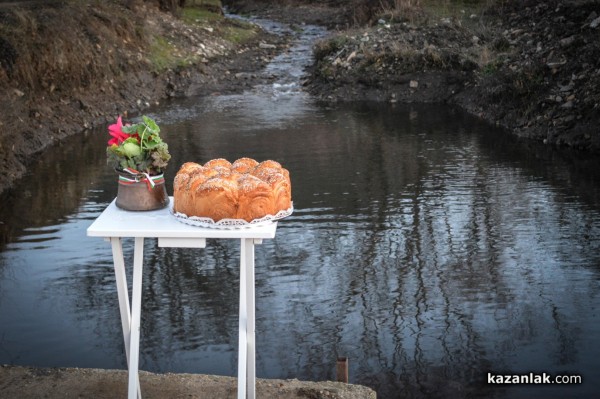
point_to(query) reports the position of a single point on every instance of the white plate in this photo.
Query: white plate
(228, 224)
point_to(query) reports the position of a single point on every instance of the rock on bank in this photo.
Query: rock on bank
(60, 383)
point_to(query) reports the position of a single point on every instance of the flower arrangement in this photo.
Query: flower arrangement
(137, 148)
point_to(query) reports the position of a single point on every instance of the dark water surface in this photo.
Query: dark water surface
(425, 246)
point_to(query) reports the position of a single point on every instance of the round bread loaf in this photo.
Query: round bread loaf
(244, 189)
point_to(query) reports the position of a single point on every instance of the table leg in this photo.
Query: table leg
(243, 338)
(247, 350)
(250, 295)
(123, 295)
(136, 309)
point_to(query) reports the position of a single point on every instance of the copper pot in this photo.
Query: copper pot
(137, 194)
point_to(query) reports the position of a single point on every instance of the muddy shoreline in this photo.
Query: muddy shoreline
(540, 81)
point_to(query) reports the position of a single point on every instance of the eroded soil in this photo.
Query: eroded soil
(106, 66)
(531, 67)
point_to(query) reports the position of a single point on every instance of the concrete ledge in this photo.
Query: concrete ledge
(63, 383)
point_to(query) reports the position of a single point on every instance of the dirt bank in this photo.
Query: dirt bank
(61, 383)
(531, 67)
(112, 60)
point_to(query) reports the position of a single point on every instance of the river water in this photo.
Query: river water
(426, 246)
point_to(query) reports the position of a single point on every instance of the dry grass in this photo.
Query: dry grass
(93, 48)
(105, 41)
(406, 5)
(460, 11)
(468, 15)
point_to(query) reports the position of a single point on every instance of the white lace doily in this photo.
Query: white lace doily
(228, 224)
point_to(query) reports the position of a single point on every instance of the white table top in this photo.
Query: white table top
(116, 222)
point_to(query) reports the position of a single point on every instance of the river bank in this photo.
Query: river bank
(112, 61)
(529, 67)
(60, 383)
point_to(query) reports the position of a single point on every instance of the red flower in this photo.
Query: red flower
(117, 133)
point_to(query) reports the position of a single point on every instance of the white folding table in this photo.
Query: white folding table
(115, 223)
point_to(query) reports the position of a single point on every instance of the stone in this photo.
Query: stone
(567, 41)
(413, 84)
(567, 105)
(566, 88)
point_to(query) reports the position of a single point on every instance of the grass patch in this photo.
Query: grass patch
(161, 53)
(203, 3)
(235, 33)
(196, 15)
(165, 55)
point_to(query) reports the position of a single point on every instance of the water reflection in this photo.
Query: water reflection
(423, 247)
(54, 187)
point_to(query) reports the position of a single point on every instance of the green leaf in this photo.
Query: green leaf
(130, 164)
(131, 149)
(151, 124)
(116, 151)
(129, 129)
(151, 145)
